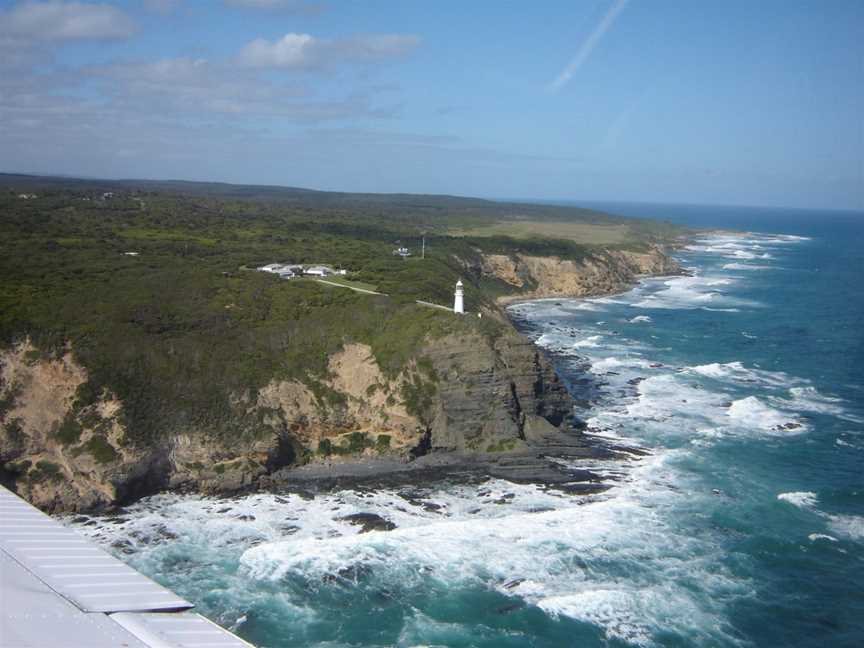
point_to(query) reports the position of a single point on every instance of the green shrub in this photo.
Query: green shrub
(102, 451)
(357, 442)
(46, 471)
(325, 447)
(69, 430)
(7, 400)
(18, 467)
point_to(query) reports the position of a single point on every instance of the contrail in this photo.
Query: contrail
(589, 45)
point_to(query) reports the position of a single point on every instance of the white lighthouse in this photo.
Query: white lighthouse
(458, 301)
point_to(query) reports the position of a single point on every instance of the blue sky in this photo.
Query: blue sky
(755, 103)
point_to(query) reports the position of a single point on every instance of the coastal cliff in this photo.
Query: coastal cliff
(468, 394)
(598, 273)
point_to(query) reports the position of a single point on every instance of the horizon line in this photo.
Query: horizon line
(557, 201)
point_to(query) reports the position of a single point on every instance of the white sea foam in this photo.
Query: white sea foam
(813, 537)
(697, 291)
(585, 306)
(548, 550)
(848, 526)
(736, 372)
(592, 341)
(745, 266)
(809, 399)
(613, 362)
(640, 318)
(801, 499)
(845, 444)
(753, 413)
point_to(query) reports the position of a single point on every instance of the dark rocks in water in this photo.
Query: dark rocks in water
(368, 522)
(354, 573)
(507, 609)
(83, 520)
(656, 365)
(245, 518)
(726, 404)
(224, 509)
(161, 532)
(431, 507)
(289, 529)
(513, 583)
(123, 546)
(635, 381)
(787, 426)
(384, 595)
(581, 488)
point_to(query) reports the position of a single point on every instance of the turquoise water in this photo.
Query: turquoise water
(743, 527)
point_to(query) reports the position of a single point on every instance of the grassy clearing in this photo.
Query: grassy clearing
(586, 233)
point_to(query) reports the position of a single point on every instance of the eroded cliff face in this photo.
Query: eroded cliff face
(597, 274)
(358, 398)
(467, 394)
(54, 460)
(489, 392)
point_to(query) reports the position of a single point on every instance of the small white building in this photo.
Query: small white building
(459, 299)
(271, 267)
(318, 271)
(402, 251)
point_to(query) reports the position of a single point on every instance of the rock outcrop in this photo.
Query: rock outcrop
(595, 274)
(487, 392)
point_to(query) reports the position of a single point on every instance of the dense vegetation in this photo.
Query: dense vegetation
(175, 329)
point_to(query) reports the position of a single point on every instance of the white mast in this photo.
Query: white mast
(458, 302)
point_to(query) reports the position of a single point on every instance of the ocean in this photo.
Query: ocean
(743, 524)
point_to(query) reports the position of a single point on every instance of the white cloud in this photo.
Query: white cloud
(57, 20)
(198, 88)
(302, 51)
